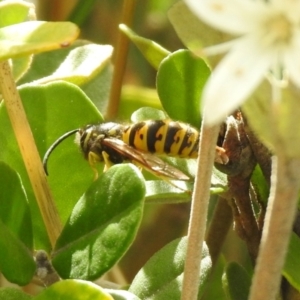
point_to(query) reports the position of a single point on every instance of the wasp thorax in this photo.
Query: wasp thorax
(90, 138)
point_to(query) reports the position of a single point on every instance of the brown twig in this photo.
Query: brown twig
(121, 52)
(239, 169)
(29, 152)
(245, 219)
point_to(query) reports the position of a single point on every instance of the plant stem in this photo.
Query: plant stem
(280, 215)
(199, 208)
(120, 54)
(29, 152)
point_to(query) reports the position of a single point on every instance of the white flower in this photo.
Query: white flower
(268, 42)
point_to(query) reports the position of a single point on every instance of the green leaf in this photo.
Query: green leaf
(46, 63)
(180, 80)
(152, 51)
(292, 262)
(10, 293)
(74, 290)
(148, 113)
(16, 261)
(102, 226)
(14, 213)
(13, 12)
(93, 77)
(160, 191)
(122, 295)
(52, 110)
(20, 66)
(81, 64)
(236, 282)
(161, 277)
(34, 37)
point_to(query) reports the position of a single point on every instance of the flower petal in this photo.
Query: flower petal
(233, 16)
(290, 8)
(291, 59)
(234, 79)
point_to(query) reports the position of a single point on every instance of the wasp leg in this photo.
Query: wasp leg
(93, 158)
(107, 162)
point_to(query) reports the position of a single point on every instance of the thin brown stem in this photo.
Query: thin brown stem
(245, 219)
(280, 215)
(199, 208)
(29, 152)
(121, 52)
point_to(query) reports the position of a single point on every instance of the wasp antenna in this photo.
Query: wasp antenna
(53, 146)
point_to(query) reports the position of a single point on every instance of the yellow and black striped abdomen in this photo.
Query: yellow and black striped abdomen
(163, 137)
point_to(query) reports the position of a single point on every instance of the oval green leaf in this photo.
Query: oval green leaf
(74, 290)
(14, 12)
(161, 277)
(148, 113)
(159, 191)
(236, 282)
(81, 65)
(34, 37)
(103, 224)
(74, 65)
(180, 80)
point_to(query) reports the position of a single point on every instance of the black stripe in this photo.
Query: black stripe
(173, 128)
(133, 132)
(152, 137)
(196, 145)
(185, 143)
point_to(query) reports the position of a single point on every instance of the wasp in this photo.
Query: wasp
(139, 143)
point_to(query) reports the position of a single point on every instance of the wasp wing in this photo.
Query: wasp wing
(147, 161)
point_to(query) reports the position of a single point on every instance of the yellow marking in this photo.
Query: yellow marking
(125, 136)
(160, 144)
(140, 138)
(178, 138)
